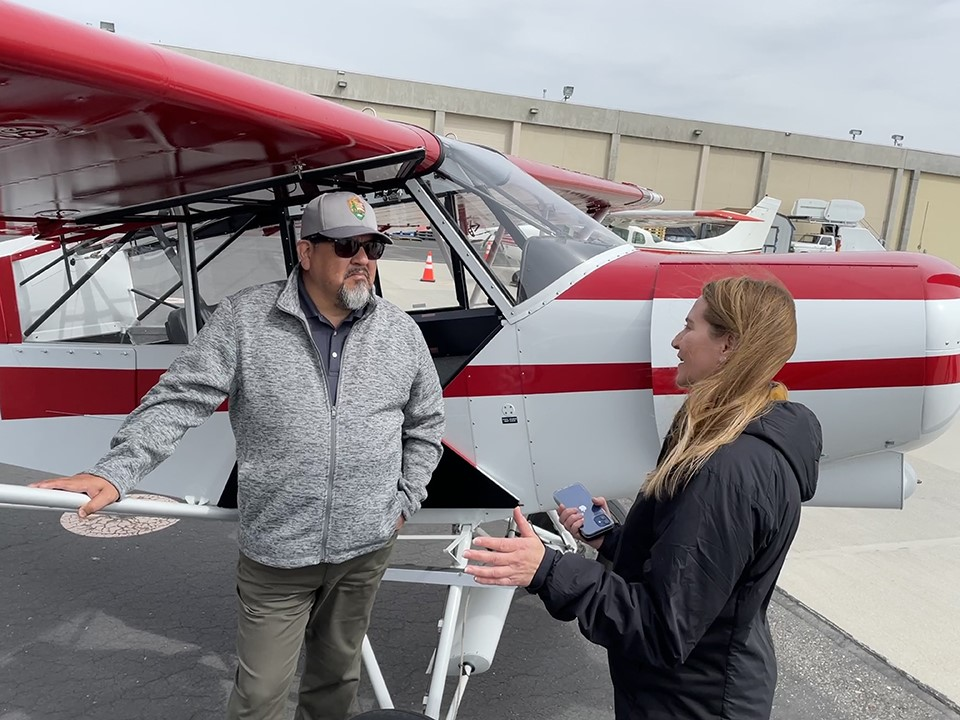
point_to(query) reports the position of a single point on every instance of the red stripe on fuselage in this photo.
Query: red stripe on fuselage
(505, 380)
(835, 276)
(32, 392)
(492, 380)
(52, 392)
(848, 374)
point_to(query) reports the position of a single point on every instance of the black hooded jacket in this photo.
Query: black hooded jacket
(683, 614)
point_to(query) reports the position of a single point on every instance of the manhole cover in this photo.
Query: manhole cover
(117, 526)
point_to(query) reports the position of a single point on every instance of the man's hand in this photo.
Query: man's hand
(509, 561)
(400, 522)
(100, 491)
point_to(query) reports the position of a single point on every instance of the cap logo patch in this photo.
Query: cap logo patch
(356, 207)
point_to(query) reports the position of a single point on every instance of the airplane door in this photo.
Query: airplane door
(491, 385)
(586, 392)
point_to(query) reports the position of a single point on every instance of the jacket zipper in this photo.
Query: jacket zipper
(333, 431)
(333, 442)
(333, 465)
(333, 421)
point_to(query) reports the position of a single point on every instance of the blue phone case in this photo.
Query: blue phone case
(595, 521)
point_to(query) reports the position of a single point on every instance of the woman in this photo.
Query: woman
(682, 612)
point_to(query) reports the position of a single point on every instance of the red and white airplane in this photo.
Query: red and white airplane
(151, 184)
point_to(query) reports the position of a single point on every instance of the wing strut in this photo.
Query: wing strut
(188, 274)
(288, 235)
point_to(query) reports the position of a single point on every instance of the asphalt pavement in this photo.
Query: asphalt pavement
(143, 627)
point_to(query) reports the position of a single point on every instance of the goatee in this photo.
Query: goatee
(353, 297)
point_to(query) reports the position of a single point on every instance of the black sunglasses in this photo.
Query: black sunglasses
(348, 247)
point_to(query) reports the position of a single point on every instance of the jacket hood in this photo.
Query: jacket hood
(795, 431)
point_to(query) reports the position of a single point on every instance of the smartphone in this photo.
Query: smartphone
(595, 521)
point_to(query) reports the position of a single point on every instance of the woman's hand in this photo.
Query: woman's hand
(572, 520)
(507, 561)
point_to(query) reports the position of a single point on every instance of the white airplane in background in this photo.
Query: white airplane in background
(748, 233)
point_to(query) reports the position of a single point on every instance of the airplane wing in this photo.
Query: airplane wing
(678, 218)
(95, 128)
(589, 193)
(91, 123)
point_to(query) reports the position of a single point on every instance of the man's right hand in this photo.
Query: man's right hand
(572, 520)
(100, 491)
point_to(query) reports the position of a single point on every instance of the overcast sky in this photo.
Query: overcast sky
(819, 67)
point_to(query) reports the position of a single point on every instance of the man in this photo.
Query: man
(338, 414)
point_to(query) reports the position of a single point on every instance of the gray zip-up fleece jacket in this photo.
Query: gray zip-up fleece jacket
(317, 483)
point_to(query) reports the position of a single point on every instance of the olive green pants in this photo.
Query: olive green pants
(324, 607)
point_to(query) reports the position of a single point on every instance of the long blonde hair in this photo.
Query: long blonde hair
(760, 317)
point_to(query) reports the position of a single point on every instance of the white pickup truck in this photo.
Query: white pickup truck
(841, 227)
(847, 238)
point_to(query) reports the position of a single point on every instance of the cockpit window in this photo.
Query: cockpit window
(527, 235)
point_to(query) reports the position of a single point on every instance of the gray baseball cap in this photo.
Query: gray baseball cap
(340, 215)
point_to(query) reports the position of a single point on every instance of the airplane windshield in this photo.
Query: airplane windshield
(527, 235)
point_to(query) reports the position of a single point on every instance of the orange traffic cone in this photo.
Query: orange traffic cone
(428, 269)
